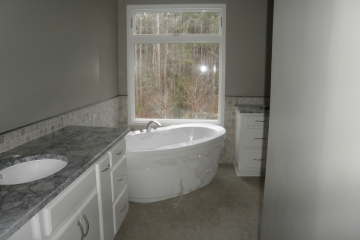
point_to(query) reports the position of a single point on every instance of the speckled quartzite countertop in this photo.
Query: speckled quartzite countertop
(252, 109)
(82, 146)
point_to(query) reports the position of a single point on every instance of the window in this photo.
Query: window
(176, 63)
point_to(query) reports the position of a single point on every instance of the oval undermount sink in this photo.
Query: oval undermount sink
(33, 170)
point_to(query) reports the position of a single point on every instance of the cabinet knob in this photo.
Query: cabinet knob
(121, 151)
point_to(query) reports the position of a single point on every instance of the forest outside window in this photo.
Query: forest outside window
(176, 63)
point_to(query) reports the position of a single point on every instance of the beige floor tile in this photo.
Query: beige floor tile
(228, 208)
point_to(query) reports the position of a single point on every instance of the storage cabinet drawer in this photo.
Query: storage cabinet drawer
(120, 208)
(117, 152)
(258, 120)
(256, 138)
(58, 209)
(118, 178)
(104, 164)
(255, 158)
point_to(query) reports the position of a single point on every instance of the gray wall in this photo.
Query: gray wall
(248, 45)
(55, 56)
(312, 186)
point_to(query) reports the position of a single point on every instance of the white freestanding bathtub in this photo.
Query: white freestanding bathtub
(172, 161)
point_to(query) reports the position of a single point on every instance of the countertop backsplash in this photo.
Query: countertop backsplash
(109, 113)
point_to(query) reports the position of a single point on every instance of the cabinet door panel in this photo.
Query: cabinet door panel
(70, 229)
(89, 218)
(59, 208)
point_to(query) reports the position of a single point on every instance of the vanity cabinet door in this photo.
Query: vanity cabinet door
(65, 203)
(70, 229)
(89, 218)
(83, 223)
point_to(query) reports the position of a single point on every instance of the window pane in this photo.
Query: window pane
(179, 23)
(177, 81)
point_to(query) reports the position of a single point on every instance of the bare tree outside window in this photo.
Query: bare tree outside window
(177, 81)
(170, 23)
(176, 77)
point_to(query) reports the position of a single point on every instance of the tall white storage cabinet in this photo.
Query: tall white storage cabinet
(251, 131)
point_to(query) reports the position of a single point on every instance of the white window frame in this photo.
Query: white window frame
(132, 39)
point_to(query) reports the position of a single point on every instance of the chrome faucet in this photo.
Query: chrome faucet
(150, 124)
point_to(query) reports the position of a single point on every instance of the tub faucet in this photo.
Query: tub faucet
(150, 124)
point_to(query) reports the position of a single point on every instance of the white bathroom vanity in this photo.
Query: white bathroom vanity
(91, 207)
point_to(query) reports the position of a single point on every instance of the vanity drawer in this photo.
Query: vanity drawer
(103, 164)
(59, 208)
(120, 208)
(256, 137)
(255, 158)
(117, 152)
(118, 178)
(257, 120)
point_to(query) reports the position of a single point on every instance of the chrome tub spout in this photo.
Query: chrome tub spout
(151, 123)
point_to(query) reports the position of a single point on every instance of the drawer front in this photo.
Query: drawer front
(257, 120)
(118, 178)
(256, 137)
(117, 152)
(255, 159)
(120, 208)
(59, 208)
